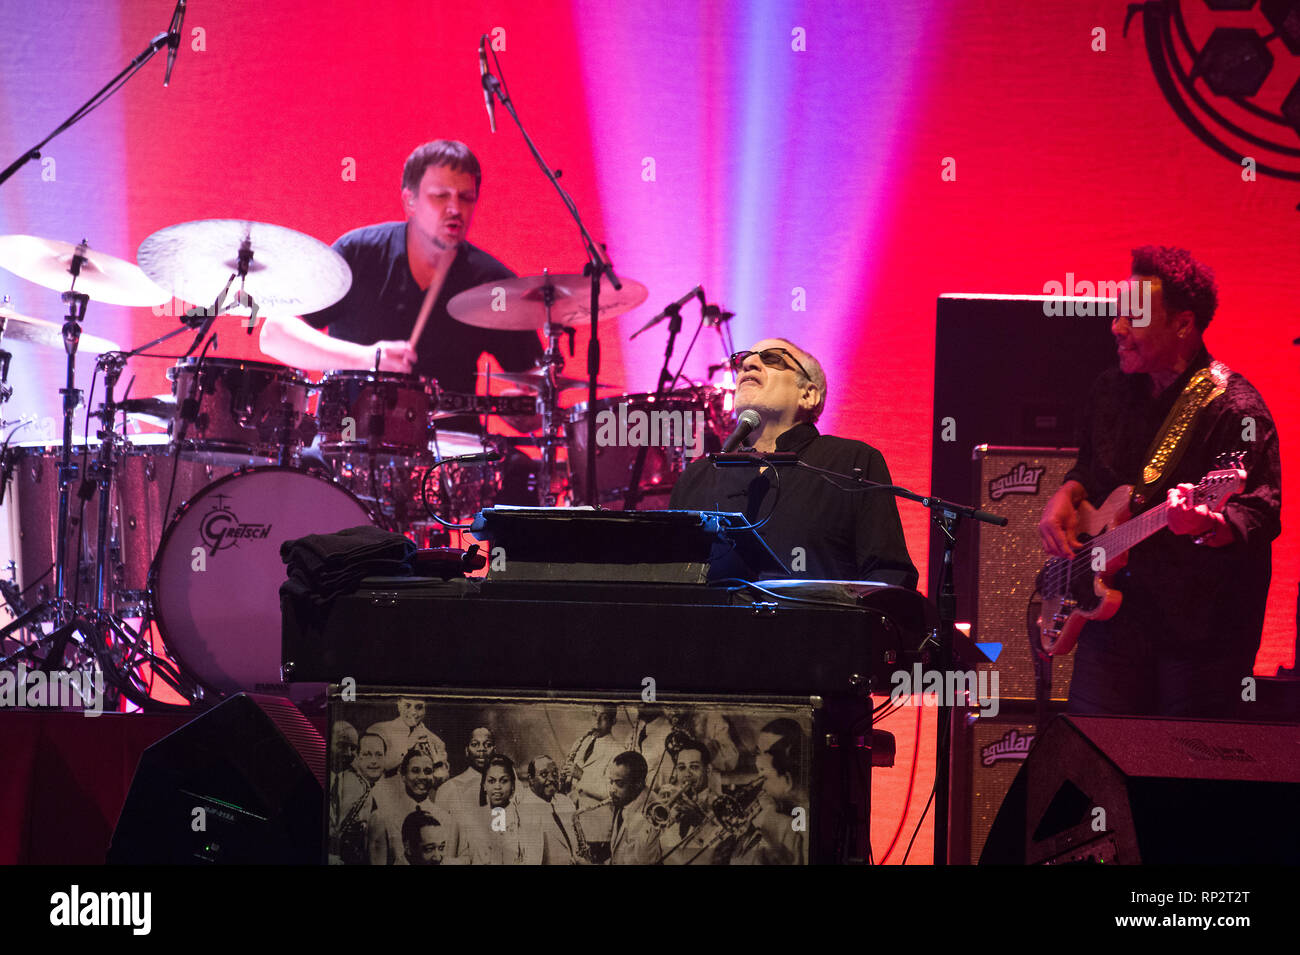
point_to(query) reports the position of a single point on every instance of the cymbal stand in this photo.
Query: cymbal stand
(552, 365)
(67, 623)
(6, 390)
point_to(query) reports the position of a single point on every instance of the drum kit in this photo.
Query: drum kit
(118, 534)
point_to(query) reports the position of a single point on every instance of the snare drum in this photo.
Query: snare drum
(376, 413)
(675, 428)
(141, 486)
(247, 412)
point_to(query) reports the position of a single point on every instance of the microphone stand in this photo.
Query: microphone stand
(113, 85)
(632, 496)
(946, 516)
(598, 265)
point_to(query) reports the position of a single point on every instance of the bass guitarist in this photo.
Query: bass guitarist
(1191, 614)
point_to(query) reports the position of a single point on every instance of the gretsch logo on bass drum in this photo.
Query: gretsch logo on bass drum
(221, 528)
(1022, 479)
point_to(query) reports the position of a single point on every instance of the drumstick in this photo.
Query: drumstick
(425, 308)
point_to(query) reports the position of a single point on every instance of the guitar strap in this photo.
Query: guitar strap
(1172, 438)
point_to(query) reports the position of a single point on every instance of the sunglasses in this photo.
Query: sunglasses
(771, 357)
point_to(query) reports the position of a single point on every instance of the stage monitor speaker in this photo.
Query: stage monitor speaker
(242, 783)
(1014, 483)
(987, 753)
(1130, 790)
(1008, 370)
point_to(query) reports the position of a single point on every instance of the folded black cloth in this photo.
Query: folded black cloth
(327, 553)
(326, 565)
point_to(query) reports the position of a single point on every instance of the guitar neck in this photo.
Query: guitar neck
(1132, 532)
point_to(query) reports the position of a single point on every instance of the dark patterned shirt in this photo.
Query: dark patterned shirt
(843, 535)
(385, 300)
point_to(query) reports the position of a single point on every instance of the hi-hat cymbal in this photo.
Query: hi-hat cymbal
(103, 277)
(518, 304)
(532, 380)
(35, 331)
(290, 273)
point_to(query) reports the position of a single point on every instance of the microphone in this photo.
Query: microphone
(748, 421)
(174, 38)
(484, 77)
(697, 292)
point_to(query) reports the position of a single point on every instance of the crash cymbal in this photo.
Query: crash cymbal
(290, 273)
(103, 277)
(35, 331)
(532, 380)
(517, 304)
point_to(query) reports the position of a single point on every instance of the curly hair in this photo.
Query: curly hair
(1188, 285)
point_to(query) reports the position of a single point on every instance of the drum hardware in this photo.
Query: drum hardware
(484, 457)
(35, 331)
(664, 461)
(157, 410)
(92, 632)
(597, 275)
(532, 380)
(453, 403)
(709, 315)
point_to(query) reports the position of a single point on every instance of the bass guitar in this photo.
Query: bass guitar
(1080, 588)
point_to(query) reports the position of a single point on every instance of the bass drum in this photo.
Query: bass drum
(215, 583)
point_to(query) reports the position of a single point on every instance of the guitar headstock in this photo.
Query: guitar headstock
(1230, 460)
(1217, 486)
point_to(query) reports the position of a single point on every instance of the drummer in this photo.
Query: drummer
(393, 266)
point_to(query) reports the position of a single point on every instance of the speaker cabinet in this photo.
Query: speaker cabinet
(242, 783)
(987, 753)
(1006, 372)
(1125, 790)
(1014, 483)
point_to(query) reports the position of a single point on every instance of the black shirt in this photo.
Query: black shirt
(844, 535)
(1175, 590)
(384, 301)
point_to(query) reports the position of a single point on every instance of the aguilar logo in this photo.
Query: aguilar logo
(1013, 745)
(220, 528)
(1022, 479)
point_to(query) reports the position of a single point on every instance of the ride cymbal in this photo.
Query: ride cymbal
(519, 304)
(288, 273)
